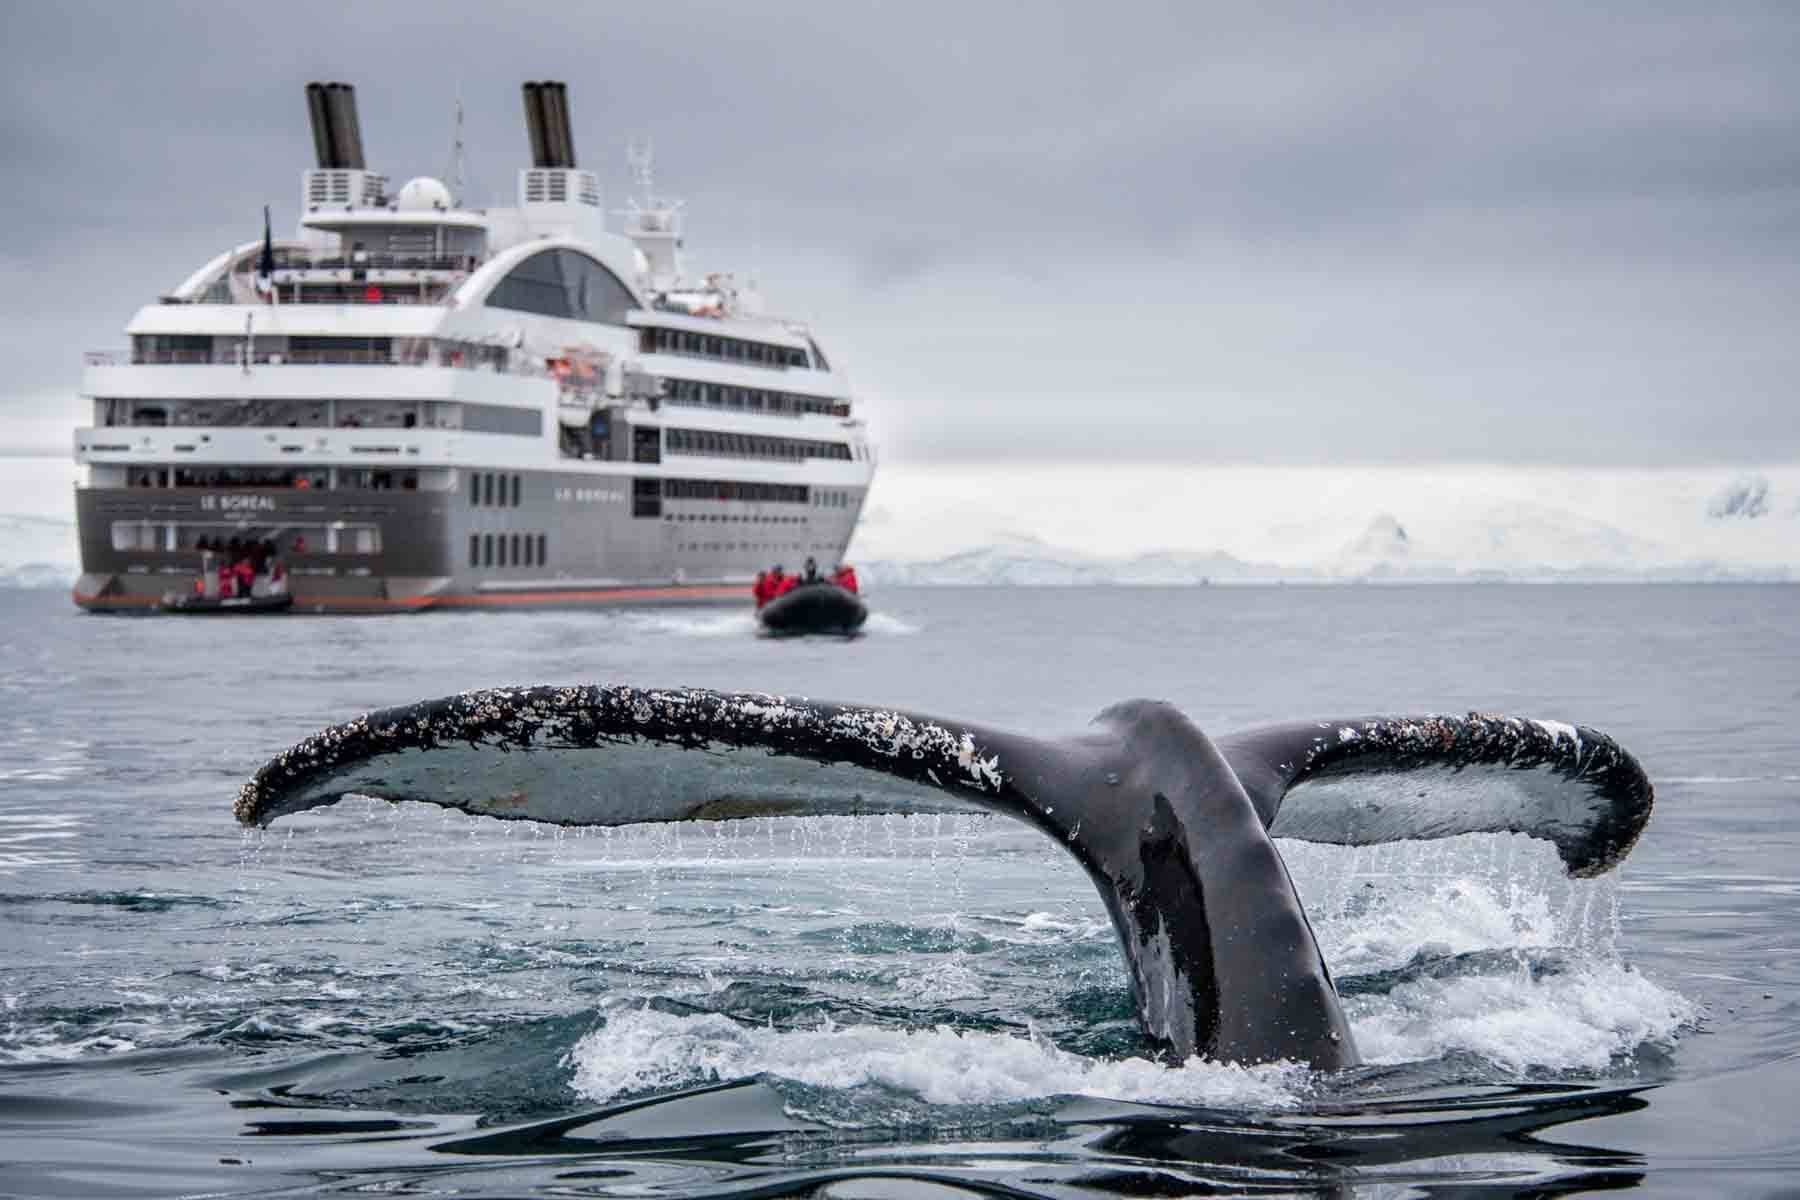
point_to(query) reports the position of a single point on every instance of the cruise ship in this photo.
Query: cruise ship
(417, 404)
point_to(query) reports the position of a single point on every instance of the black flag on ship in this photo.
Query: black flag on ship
(265, 262)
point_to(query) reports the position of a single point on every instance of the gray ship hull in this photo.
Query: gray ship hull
(496, 539)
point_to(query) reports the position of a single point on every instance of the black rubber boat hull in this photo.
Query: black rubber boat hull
(814, 608)
(214, 606)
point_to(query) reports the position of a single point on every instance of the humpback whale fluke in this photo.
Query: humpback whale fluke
(1173, 828)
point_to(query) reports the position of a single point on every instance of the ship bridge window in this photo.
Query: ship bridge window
(171, 348)
(657, 340)
(564, 283)
(374, 351)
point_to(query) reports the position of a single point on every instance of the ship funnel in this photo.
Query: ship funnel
(547, 123)
(337, 135)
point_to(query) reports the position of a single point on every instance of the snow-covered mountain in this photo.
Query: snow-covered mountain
(1158, 523)
(1443, 543)
(1022, 560)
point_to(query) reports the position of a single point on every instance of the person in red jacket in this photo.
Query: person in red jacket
(759, 590)
(845, 577)
(783, 584)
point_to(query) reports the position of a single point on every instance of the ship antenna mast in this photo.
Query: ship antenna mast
(458, 159)
(653, 223)
(641, 156)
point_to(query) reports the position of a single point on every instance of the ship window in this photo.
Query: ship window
(135, 535)
(517, 561)
(541, 556)
(646, 497)
(515, 490)
(474, 549)
(474, 499)
(502, 540)
(646, 444)
(751, 445)
(171, 348)
(487, 549)
(564, 283)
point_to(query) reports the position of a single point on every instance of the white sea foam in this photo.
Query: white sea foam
(50, 1045)
(695, 623)
(1378, 908)
(1043, 928)
(1455, 916)
(1385, 909)
(640, 1049)
(1577, 1020)
(941, 982)
(887, 624)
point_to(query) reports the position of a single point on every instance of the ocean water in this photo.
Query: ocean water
(397, 1000)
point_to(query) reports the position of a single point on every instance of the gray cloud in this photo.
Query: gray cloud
(1302, 233)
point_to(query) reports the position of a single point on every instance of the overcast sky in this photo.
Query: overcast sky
(1564, 234)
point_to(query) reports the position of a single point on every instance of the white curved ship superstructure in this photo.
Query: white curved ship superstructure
(419, 404)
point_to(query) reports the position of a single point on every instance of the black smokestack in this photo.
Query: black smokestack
(547, 123)
(534, 125)
(556, 120)
(347, 130)
(320, 117)
(337, 135)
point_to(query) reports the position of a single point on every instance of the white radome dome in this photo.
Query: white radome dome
(423, 195)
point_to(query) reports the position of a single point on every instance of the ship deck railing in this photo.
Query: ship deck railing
(364, 260)
(234, 357)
